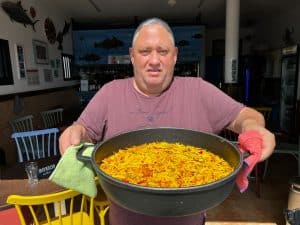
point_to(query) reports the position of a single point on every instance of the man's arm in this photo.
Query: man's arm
(250, 119)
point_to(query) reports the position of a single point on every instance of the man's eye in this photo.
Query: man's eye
(145, 52)
(163, 52)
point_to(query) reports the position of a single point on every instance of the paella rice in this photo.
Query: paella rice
(167, 165)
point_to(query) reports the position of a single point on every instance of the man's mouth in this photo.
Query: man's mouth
(154, 71)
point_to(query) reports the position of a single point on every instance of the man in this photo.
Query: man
(154, 98)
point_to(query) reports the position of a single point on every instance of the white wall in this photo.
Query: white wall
(15, 32)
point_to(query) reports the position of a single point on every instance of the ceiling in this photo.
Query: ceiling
(208, 12)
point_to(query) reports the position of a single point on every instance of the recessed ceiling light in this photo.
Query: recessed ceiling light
(171, 2)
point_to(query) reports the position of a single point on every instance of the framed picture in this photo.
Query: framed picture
(52, 63)
(40, 51)
(21, 68)
(48, 75)
(33, 77)
(57, 63)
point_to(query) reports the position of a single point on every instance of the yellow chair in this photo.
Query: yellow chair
(101, 203)
(79, 208)
(101, 208)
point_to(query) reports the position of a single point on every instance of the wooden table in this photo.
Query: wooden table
(13, 180)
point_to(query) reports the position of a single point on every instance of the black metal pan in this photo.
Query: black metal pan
(167, 201)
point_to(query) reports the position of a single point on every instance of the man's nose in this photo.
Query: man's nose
(154, 58)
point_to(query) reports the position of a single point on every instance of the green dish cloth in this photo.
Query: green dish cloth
(74, 174)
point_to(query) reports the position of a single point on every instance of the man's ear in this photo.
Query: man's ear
(175, 55)
(131, 55)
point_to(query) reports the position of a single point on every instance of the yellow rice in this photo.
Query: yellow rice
(168, 165)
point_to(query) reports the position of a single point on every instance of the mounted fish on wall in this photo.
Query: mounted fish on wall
(50, 30)
(60, 34)
(16, 13)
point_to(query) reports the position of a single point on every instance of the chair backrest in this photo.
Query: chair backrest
(52, 118)
(79, 208)
(22, 124)
(36, 144)
(101, 204)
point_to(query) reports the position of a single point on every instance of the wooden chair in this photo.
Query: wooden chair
(281, 147)
(22, 124)
(286, 148)
(79, 211)
(36, 144)
(52, 118)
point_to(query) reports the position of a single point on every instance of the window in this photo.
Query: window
(67, 64)
(6, 76)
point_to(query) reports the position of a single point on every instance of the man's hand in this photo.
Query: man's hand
(249, 119)
(268, 140)
(73, 135)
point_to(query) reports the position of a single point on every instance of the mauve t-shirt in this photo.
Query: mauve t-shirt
(189, 103)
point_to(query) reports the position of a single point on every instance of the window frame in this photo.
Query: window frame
(68, 67)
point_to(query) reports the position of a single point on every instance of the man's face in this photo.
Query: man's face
(153, 56)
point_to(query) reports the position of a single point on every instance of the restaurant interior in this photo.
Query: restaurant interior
(55, 55)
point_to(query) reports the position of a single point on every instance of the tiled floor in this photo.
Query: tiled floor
(247, 208)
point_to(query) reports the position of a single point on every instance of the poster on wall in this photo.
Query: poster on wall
(33, 77)
(102, 46)
(40, 51)
(21, 68)
(48, 75)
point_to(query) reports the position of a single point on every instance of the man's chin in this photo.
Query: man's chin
(154, 81)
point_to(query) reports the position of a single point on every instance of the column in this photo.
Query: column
(232, 41)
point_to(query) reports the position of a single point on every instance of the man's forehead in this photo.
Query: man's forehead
(154, 31)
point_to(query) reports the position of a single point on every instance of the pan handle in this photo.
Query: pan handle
(80, 153)
(246, 154)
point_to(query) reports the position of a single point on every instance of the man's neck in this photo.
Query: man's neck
(143, 93)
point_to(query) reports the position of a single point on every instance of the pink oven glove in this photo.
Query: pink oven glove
(250, 141)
